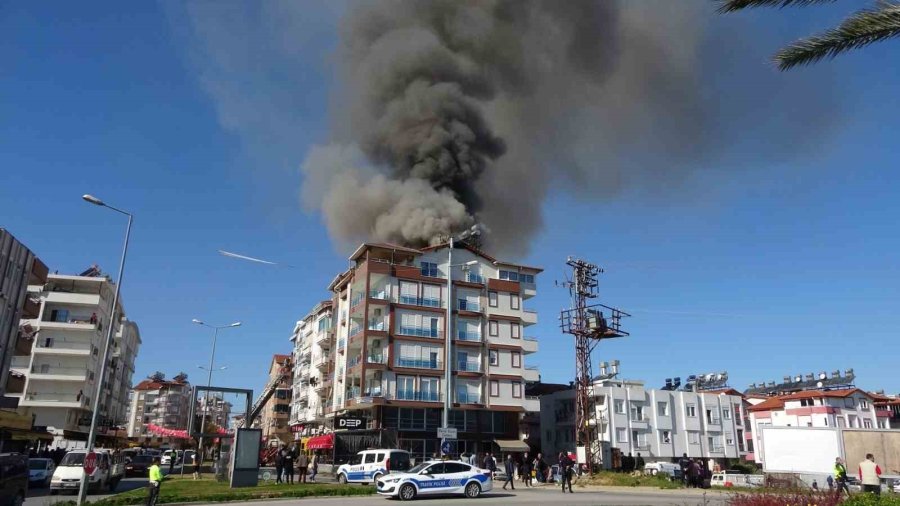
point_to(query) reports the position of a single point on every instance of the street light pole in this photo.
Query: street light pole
(92, 434)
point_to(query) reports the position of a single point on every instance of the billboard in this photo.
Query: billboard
(800, 449)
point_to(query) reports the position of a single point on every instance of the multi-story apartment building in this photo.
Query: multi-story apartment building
(159, 402)
(217, 409)
(392, 334)
(889, 406)
(313, 363)
(659, 424)
(845, 408)
(275, 416)
(18, 269)
(61, 368)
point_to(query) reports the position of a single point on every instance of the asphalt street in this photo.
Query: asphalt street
(42, 497)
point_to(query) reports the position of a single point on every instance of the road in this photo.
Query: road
(42, 497)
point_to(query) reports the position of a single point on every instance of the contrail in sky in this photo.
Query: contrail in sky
(251, 259)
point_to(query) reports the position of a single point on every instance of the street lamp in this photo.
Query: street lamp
(92, 434)
(474, 231)
(209, 371)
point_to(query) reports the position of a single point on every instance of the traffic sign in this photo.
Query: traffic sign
(445, 447)
(446, 433)
(90, 463)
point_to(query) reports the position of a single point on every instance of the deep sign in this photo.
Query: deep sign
(349, 423)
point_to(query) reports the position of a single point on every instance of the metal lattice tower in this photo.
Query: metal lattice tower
(589, 324)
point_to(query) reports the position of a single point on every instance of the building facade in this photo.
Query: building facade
(62, 363)
(217, 410)
(18, 269)
(661, 425)
(275, 416)
(392, 333)
(313, 358)
(159, 402)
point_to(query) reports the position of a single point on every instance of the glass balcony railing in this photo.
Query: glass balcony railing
(468, 305)
(412, 395)
(465, 335)
(468, 366)
(353, 361)
(378, 324)
(418, 363)
(355, 330)
(420, 331)
(420, 301)
(468, 398)
(472, 277)
(379, 294)
(376, 358)
(352, 392)
(356, 300)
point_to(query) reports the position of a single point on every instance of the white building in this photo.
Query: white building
(391, 331)
(846, 408)
(159, 402)
(313, 357)
(661, 425)
(62, 370)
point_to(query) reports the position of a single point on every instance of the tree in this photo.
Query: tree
(860, 29)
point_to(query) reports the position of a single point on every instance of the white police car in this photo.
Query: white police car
(436, 477)
(369, 465)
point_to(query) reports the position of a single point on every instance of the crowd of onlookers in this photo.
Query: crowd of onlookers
(55, 454)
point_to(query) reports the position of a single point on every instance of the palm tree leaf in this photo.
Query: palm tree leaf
(736, 5)
(859, 30)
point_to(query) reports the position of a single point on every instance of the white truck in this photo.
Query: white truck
(109, 472)
(729, 479)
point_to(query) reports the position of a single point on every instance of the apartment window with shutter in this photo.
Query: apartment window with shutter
(492, 328)
(492, 299)
(517, 390)
(691, 410)
(516, 358)
(514, 330)
(495, 388)
(622, 435)
(494, 357)
(514, 301)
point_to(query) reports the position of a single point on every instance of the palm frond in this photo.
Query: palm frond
(736, 5)
(861, 29)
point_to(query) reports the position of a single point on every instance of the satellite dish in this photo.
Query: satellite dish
(820, 384)
(822, 376)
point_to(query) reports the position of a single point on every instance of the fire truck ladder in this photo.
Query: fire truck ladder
(264, 397)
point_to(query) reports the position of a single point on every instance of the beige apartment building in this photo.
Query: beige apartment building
(275, 416)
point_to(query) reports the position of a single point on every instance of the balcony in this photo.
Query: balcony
(412, 395)
(356, 300)
(352, 392)
(467, 305)
(355, 331)
(322, 363)
(323, 339)
(70, 325)
(468, 366)
(305, 358)
(472, 277)
(529, 345)
(353, 361)
(418, 363)
(55, 400)
(420, 332)
(376, 358)
(379, 324)
(31, 309)
(531, 373)
(59, 373)
(468, 398)
(20, 362)
(382, 294)
(532, 403)
(420, 301)
(465, 335)
(529, 317)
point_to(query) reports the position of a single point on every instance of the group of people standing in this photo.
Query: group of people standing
(526, 467)
(695, 473)
(869, 476)
(629, 464)
(289, 459)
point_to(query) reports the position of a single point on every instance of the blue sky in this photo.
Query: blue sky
(779, 266)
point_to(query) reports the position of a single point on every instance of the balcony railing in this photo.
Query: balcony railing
(352, 392)
(380, 294)
(353, 361)
(420, 301)
(356, 300)
(472, 277)
(412, 395)
(378, 324)
(468, 398)
(376, 358)
(20, 361)
(63, 344)
(354, 331)
(418, 363)
(465, 335)
(468, 366)
(66, 371)
(467, 305)
(420, 331)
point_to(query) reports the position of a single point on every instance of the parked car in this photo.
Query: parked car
(667, 468)
(13, 479)
(168, 456)
(108, 473)
(40, 472)
(369, 465)
(436, 477)
(139, 465)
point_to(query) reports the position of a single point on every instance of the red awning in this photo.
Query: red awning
(320, 442)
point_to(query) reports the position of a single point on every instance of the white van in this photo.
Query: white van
(666, 468)
(369, 465)
(110, 470)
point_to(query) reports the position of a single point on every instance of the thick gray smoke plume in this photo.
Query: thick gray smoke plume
(454, 112)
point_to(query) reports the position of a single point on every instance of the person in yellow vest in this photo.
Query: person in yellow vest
(870, 475)
(156, 478)
(840, 476)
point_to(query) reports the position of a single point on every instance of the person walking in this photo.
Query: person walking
(510, 468)
(840, 476)
(526, 470)
(313, 467)
(870, 475)
(156, 478)
(289, 465)
(565, 472)
(195, 458)
(473, 459)
(279, 464)
(830, 482)
(685, 464)
(639, 464)
(303, 466)
(173, 456)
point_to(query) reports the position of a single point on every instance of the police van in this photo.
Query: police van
(436, 477)
(369, 465)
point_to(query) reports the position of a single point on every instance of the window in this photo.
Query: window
(526, 278)
(517, 390)
(492, 299)
(619, 406)
(726, 413)
(693, 437)
(848, 402)
(712, 416)
(729, 441)
(662, 408)
(429, 269)
(494, 357)
(369, 458)
(514, 301)
(516, 358)
(514, 330)
(509, 275)
(806, 402)
(492, 328)
(495, 388)
(882, 424)
(867, 423)
(665, 436)
(637, 412)
(622, 435)
(691, 410)
(455, 467)
(863, 404)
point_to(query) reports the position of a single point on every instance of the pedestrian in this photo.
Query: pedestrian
(840, 476)
(639, 464)
(628, 464)
(694, 474)
(313, 466)
(93, 318)
(510, 468)
(526, 470)
(473, 459)
(289, 465)
(279, 464)
(565, 471)
(173, 456)
(685, 464)
(815, 485)
(197, 463)
(303, 466)
(830, 482)
(870, 475)
(156, 478)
